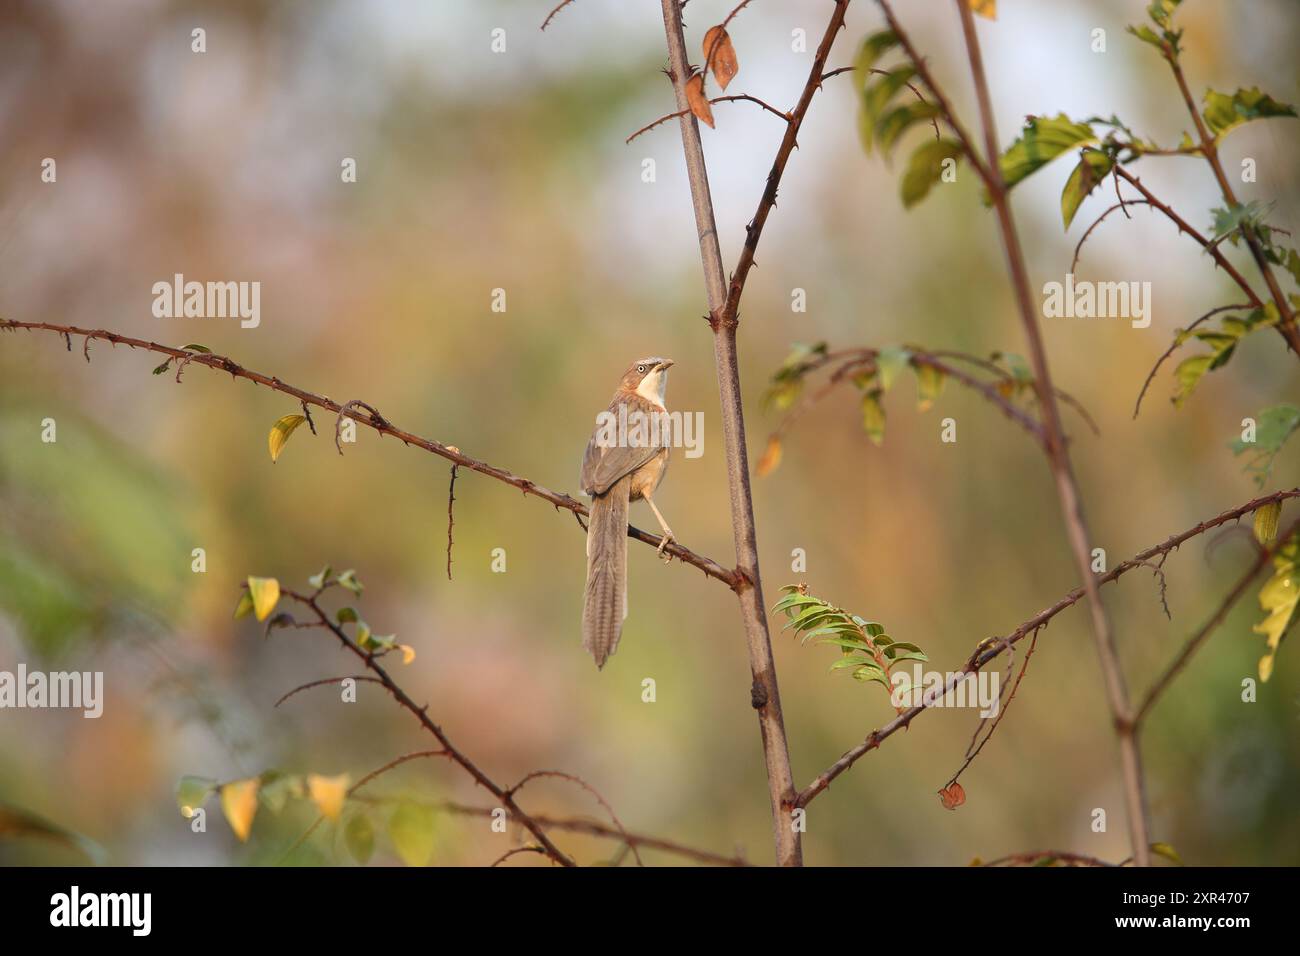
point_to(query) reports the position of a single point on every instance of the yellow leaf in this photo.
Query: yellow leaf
(1266, 518)
(408, 653)
(985, 8)
(771, 458)
(1167, 851)
(1280, 599)
(239, 803)
(724, 63)
(280, 433)
(266, 595)
(328, 793)
(698, 102)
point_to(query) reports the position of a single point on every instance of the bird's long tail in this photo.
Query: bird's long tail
(605, 605)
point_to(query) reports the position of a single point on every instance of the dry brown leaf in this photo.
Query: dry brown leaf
(698, 102)
(953, 796)
(771, 458)
(724, 63)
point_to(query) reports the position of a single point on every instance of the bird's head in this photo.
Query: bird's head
(648, 377)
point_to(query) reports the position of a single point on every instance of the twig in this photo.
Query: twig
(578, 781)
(1184, 226)
(223, 364)
(530, 848)
(1078, 249)
(1194, 643)
(1035, 857)
(421, 714)
(1173, 346)
(717, 99)
(993, 649)
(451, 520)
(551, 16)
(911, 86)
(729, 312)
(327, 680)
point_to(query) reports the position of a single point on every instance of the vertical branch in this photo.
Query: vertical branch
(764, 695)
(1059, 458)
(1287, 325)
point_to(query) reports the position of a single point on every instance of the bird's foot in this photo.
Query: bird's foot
(663, 545)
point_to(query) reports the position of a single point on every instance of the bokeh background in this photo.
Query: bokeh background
(480, 170)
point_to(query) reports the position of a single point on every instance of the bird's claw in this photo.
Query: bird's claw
(663, 544)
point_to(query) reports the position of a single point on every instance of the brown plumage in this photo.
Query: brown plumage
(616, 474)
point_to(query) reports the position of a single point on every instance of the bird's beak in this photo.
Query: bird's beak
(665, 365)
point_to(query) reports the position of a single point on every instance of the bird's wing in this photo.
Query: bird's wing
(602, 465)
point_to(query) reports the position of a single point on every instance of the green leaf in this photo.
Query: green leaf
(890, 362)
(359, 838)
(1279, 598)
(1223, 112)
(318, 580)
(191, 792)
(1094, 165)
(929, 385)
(411, 828)
(17, 822)
(895, 122)
(926, 167)
(873, 48)
(163, 367)
(1041, 141)
(245, 605)
(876, 95)
(197, 348)
(873, 416)
(1273, 426)
(349, 580)
(280, 433)
(1188, 374)
(347, 615)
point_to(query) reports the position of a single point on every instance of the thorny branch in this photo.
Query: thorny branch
(989, 650)
(310, 602)
(221, 363)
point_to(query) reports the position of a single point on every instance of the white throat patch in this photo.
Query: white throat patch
(653, 387)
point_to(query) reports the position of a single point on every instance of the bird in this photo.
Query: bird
(615, 473)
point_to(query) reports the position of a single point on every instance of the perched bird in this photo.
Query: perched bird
(615, 473)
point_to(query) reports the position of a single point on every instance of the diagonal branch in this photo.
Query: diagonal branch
(422, 715)
(991, 649)
(222, 364)
(1058, 454)
(730, 311)
(1194, 643)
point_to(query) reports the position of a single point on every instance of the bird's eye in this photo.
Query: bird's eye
(640, 368)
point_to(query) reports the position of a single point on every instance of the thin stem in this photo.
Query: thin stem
(764, 696)
(1059, 458)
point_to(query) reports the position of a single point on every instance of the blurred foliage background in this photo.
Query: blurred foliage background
(481, 170)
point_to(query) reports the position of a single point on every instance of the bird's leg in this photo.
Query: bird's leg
(668, 532)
